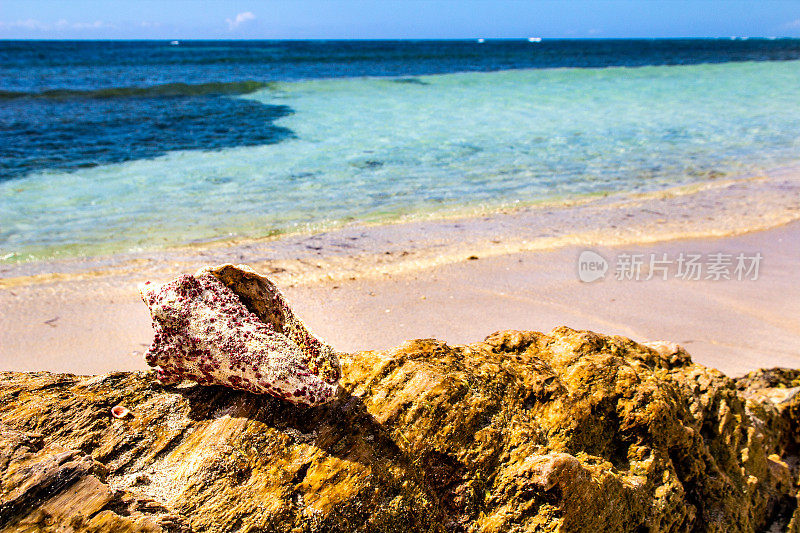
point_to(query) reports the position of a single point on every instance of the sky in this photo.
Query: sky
(395, 19)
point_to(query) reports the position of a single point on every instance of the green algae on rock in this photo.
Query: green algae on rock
(566, 431)
(229, 326)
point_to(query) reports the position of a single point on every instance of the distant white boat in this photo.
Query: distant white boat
(534, 39)
(174, 43)
(481, 40)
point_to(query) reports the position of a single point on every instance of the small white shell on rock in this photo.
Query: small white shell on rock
(665, 348)
(119, 411)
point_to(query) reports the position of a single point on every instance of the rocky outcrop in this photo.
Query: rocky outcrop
(567, 431)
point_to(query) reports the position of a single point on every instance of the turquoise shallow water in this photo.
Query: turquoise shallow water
(377, 149)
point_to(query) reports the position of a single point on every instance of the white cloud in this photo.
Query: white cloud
(61, 24)
(89, 25)
(794, 24)
(29, 24)
(241, 18)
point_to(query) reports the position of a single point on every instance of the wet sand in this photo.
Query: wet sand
(374, 287)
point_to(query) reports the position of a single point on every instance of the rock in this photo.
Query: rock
(229, 326)
(566, 431)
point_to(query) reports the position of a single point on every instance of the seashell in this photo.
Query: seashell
(119, 411)
(230, 326)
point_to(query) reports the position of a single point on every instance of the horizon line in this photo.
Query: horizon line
(190, 39)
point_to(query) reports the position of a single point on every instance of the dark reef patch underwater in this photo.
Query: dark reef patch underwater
(72, 129)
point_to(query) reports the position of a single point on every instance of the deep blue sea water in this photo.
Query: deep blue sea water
(114, 145)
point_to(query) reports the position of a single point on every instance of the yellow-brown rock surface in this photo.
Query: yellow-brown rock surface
(567, 431)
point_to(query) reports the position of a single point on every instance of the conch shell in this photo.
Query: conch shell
(228, 325)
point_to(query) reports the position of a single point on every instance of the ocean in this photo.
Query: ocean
(115, 146)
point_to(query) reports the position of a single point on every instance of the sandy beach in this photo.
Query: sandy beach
(458, 280)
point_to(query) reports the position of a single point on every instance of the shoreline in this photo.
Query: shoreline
(460, 280)
(699, 210)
